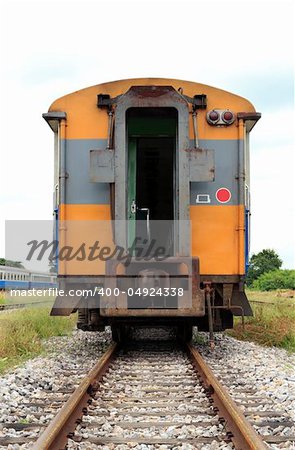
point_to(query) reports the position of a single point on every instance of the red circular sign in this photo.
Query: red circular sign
(223, 195)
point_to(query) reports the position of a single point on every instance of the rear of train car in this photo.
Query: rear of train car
(152, 161)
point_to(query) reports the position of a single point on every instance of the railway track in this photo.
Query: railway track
(8, 307)
(157, 394)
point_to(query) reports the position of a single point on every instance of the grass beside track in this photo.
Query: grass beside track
(22, 333)
(7, 299)
(273, 322)
(2, 298)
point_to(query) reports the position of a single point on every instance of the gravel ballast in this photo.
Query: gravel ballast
(24, 392)
(268, 371)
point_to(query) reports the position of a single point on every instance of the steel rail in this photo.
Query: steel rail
(241, 432)
(55, 435)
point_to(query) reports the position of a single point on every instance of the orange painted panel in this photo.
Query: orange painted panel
(84, 231)
(217, 240)
(86, 121)
(85, 212)
(217, 237)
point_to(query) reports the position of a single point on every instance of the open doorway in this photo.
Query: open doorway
(152, 134)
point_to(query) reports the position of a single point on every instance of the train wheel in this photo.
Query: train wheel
(116, 334)
(119, 332)
(185, 333)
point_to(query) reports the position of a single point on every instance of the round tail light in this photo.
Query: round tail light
(228, 117)
(213, 116)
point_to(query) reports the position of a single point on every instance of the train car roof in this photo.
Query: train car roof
(14, 269)
(80, 107)
(117, 87)
(20, 269)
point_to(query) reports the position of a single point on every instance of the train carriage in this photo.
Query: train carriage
(165, 161)
(20, 278)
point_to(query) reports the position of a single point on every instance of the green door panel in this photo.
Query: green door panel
(131, 214)
(152, 126)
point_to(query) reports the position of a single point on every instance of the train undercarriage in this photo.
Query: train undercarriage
(219, 302)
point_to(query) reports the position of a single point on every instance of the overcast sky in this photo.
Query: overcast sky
(52, 48)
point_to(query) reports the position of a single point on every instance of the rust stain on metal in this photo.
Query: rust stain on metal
(150, 91)
(55, 435)
(249, 116)
(242, 432)
(196, 150)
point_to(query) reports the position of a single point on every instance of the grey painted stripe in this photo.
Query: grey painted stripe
(226, 169)
(80, 190)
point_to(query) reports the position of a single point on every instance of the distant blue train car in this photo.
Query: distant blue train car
(16, 278)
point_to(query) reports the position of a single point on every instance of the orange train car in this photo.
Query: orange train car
(152, 197)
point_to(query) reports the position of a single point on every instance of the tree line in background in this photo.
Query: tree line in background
(9, 263)
(265, 273)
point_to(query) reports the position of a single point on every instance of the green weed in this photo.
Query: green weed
(273, 321)
(22, 333)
